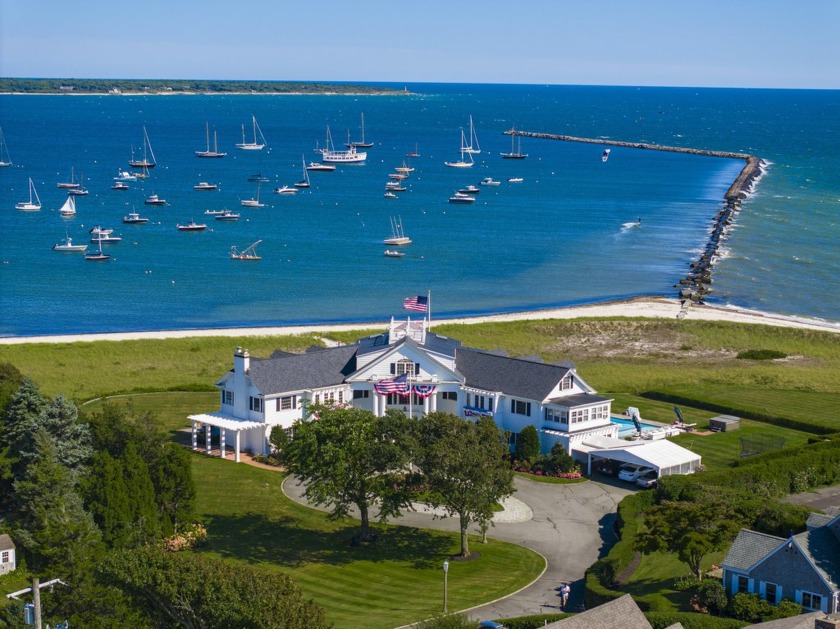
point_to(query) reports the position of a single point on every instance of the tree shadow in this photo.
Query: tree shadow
(607, 533)
(255, 538)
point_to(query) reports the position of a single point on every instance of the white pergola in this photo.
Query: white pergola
(224, 423)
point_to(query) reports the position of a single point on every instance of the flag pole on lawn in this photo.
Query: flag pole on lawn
(429, 309)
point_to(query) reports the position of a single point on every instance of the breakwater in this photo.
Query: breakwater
(697, 282)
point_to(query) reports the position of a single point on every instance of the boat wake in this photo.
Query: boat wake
(626, 227)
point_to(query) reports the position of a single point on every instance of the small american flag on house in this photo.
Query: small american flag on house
(392, 385)
(418, 303)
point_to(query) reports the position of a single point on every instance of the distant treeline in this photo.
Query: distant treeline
(116, 86)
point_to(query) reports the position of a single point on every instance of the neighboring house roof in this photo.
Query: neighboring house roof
(621, 613)
(803, 621)
(749, 548)
(6, 542)
(822, 549)
(298, 372)
(516, 377)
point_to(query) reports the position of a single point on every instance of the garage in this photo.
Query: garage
(663, 456)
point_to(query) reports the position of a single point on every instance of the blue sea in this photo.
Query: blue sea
(567, 234)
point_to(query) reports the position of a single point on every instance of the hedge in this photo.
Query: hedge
(784, 422)
(532, 622)
(661, 620)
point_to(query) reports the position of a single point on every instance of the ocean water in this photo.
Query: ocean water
(566, 235)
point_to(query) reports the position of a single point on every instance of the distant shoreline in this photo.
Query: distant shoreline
(639, 307)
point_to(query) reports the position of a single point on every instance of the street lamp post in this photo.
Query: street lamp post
(445, 573)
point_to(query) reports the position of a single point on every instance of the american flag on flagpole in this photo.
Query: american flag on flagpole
(392, 385)
(418, 303)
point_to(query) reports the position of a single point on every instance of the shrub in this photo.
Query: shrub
(661, 620)
(528, 444)
(712, 596)
(192, 535)
(531, 622)
(761, 354)
(749, 607)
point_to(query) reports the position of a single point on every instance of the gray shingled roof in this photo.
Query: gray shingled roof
(822, 548)
(6, 542)
(621, 613)
(578, 399)
(749, 548)
(803, 621)
(516, 377)
(297, 372)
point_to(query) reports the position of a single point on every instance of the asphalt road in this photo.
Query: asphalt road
(571, 527)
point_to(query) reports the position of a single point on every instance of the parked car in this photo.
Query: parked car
(489, 624)
(630, 472)
(648, 479)
(608, 467)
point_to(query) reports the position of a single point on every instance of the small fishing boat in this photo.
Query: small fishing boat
(192, 226)
(99, 230)
(34, 203)
(390, 253)
(252, 146)
(320, 166)
(515, 179)
(207, 152)
(154, 199)
(68, 247)
(605, 155)
(205, 186)
(214, 212)
(489, 181)
(469, 190)
(119, 185)
(394, 186)
(460, 197)
(258, 177)
(107, 239)
(390, 195)
(227, 216)
(134, 218)
(249, 253)
(68, 210)
(398, 236)
(286, 190)
(124, 175)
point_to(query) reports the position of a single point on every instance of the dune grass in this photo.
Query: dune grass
(395, 580)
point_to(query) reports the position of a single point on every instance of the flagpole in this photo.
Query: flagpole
(429, 308)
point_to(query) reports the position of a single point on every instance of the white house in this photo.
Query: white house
(8, 561)
(436, 373)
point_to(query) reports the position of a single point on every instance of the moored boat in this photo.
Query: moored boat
(489, 181)
(517, 154)
(515, 179)
(227, 216)
(249, 253)
(460, 197)
(34, 203)
(69, 185)
(320, 166)
(106, 239)
(5, 158)
(252, 146)
(350, 156)
(97, 256)
(205, 186)
(469, 190)
(462, 163)
(207, 152)
(286, 190)
(398, 236)
(192, 226)
(390, 253)
(147, 150)
(154, 199)
(359, 144)
(68, 210)
(134, 218)
(68, 247)
(119, 185)
(605, 155)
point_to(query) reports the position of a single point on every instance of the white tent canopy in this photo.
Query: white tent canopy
(663, 456)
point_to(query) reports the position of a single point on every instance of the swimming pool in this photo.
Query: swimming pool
(626, 427)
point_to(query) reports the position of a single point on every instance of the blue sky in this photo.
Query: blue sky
(731, 43)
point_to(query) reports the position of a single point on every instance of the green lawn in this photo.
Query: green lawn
(396, 580)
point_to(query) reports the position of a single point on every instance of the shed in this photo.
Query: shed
(724, 423)
(8, 561)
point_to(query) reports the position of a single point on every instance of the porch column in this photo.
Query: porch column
(236, 447)
(222, 442)
(427, 404)
(376, 403)
(433, 401)
(208, 436)
(195, 435)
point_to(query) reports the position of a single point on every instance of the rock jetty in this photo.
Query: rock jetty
(697, 282)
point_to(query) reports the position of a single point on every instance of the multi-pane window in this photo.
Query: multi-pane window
(227, 397)
(566, 383)
(555, 415)
(771, 593)
(256, 404)
(811, 601)
(5, 557)
(287, 403)
(450, 395)
(743, 584)
(360, 393)
(520, 407)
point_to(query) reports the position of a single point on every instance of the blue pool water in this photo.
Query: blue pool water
(626, 427)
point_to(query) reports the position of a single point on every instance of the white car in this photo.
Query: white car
(630, 472)
(648, 479)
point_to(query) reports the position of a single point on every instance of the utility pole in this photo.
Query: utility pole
(36, 599)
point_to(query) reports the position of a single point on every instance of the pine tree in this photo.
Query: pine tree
(171, 473)
(108, 499)
(143, 518)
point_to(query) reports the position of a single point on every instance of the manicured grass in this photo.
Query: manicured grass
(171, 408)
(395, 580)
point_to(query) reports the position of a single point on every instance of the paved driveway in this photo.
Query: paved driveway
(571, 527)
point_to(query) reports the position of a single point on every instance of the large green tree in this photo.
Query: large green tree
(194, 591)
(689, 529)
(350, 457)
(466, 467)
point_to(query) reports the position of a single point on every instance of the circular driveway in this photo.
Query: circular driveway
(570, 525)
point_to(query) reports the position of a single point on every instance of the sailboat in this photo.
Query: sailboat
(304, 183)
(208, 153)
(518, 154)
(359, 144)
(398, 236)
(80, 190)
(68, 210)
(473, 146)
(34, 203)
(147, 150)
(252, 146)
(249, 253)
(350, 156)
(98, 256)
(254, 202)
(414, 153)
(462, 163)
(69, 184)
(5, 158)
